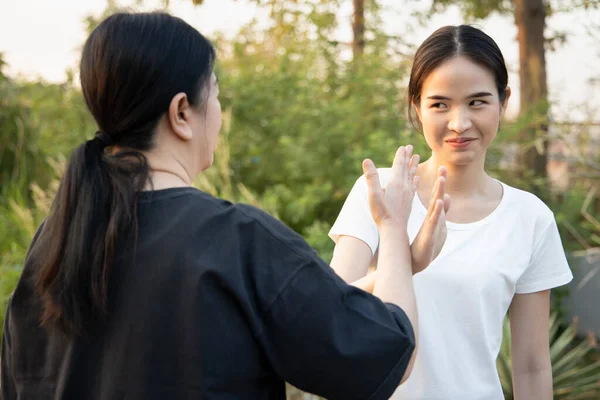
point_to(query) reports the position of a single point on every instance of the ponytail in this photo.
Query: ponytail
(93, 215)
(132, 66)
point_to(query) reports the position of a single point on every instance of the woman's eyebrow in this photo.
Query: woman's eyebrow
(478, 94)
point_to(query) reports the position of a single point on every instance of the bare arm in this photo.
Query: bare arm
(529, 322)
(351, 259)
(366, 283)
(394, 279)
(390, 209)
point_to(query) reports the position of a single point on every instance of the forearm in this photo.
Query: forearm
(351, 259)
(393, 283)
(533, 384)
(530, 350)
(366, 283)
(416, 266)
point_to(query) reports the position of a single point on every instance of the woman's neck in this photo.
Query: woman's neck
(461, 181)
(166, 172)
(165, 180)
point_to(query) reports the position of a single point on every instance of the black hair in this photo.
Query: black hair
(132, 66)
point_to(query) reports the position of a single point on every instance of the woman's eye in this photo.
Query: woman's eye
(477, 103)
(438, 105)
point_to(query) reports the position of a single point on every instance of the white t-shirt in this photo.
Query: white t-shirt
(464, 294)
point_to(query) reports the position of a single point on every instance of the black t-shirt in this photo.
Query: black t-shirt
(221, 301)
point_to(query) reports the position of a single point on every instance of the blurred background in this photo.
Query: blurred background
(309, 88)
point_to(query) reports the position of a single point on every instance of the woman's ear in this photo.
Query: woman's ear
(505, 103)
(417, 109)
(179, 117)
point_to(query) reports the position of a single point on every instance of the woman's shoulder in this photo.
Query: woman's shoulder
(269, 229)
(238, 213)
(526, 203)
(235, 221)
(269, 224)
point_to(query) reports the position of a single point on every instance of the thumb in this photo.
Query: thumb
(372, 177)
(378, 210)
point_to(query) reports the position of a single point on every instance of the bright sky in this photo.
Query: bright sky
(41, 38)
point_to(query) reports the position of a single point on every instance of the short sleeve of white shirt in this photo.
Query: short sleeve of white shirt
(355, 218)
(548, 267)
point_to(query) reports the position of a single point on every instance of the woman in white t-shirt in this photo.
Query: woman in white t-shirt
(502, 251)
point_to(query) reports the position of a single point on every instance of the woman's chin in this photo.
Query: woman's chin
(462, 160)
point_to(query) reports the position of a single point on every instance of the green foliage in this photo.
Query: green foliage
(573, 376)
(217, 179)
(37, 119)
(19, 220)
(39, 123)
(306, 115)
(475, 9)
(481, 9)
(19, 145)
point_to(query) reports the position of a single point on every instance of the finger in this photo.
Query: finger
(413, 164)
(409, 149)
(441, 188)
(442, 171)
(373, 184)
(372, 177)
(434, 218)
(432, 197)
(399, 165)
(446, 203)
(415, 184)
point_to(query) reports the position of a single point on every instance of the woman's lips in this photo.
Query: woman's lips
(460, 143)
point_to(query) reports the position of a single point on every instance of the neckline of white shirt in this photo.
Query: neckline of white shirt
(471, 225)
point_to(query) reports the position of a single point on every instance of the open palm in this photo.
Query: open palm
(431, 237)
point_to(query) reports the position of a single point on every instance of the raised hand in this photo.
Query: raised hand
(393, 204)
(431, 237)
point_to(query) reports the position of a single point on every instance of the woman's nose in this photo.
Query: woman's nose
(460, 121)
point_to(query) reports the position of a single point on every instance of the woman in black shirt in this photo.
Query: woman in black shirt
(138, 286)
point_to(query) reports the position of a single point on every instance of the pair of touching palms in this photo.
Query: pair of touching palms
(393, 204)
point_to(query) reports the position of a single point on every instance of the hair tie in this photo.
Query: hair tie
(104, 138)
